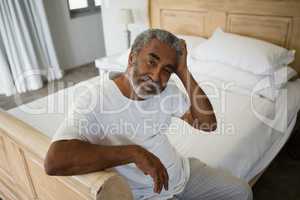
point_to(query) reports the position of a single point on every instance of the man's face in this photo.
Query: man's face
(151, 68)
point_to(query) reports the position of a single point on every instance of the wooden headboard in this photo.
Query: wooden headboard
(276, 21)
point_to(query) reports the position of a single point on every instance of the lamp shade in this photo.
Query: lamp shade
(126, 16)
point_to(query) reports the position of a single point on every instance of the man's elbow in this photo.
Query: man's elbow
(53, 167)
(212, 123)
(212, 127)
(50, 169)
(54, 161)
(207, 126)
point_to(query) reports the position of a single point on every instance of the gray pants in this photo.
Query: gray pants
(206, 183)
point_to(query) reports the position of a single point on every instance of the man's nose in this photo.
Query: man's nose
(155, 75)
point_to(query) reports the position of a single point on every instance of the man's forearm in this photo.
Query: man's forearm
(74, 157)
(201, 108)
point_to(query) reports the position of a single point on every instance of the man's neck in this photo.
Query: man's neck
(125, 87)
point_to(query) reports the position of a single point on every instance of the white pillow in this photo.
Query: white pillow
(270, 86)
(249, 54)
(266, 86)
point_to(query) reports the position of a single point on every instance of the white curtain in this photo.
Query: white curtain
(27, 54)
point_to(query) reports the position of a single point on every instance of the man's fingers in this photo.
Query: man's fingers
(166, 180)
(183, 43)
(156, 183)
(160, 182)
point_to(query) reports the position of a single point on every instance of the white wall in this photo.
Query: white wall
(115, 37)
(77, 41)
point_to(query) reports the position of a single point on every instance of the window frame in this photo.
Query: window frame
(80, 12)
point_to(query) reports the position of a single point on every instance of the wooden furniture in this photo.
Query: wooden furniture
(23, 148)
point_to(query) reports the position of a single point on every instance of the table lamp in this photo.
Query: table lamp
(126, 17)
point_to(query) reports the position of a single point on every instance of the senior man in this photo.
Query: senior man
(125, 128)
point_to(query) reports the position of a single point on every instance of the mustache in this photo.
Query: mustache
(149, 83)
(144, 79)
(148, 80)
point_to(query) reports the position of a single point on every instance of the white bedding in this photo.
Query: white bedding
(242, 144)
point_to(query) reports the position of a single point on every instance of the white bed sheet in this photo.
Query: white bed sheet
(244, 150)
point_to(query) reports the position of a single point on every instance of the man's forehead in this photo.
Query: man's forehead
(157, 44)
(159, 48)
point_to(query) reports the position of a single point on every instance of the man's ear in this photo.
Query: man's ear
(130, 59)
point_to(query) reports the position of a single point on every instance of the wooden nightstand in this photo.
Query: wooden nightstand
(112, 63)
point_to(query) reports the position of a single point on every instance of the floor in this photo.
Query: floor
(70, 78)
(281, 181)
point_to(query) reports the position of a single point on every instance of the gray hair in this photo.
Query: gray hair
(164, 36)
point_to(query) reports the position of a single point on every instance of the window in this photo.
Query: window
(79, 8)
(98, 2)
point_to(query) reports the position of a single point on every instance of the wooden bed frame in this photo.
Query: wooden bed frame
(23, 148)
(22, 175)
(276, 21)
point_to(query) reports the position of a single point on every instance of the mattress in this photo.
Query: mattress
(243, 144)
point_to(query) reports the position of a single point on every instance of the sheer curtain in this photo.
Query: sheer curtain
(27, 54)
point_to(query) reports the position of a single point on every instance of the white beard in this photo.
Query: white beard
(136, 88)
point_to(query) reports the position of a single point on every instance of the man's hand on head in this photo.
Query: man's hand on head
(195, 116)
(182, 62)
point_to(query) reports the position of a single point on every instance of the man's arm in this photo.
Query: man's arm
(201, 114)
(75, 157)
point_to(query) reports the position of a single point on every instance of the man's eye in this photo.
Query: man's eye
(168, 70)
(151, 62)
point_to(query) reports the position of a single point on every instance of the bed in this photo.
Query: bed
(242, 147)
(25, 138)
